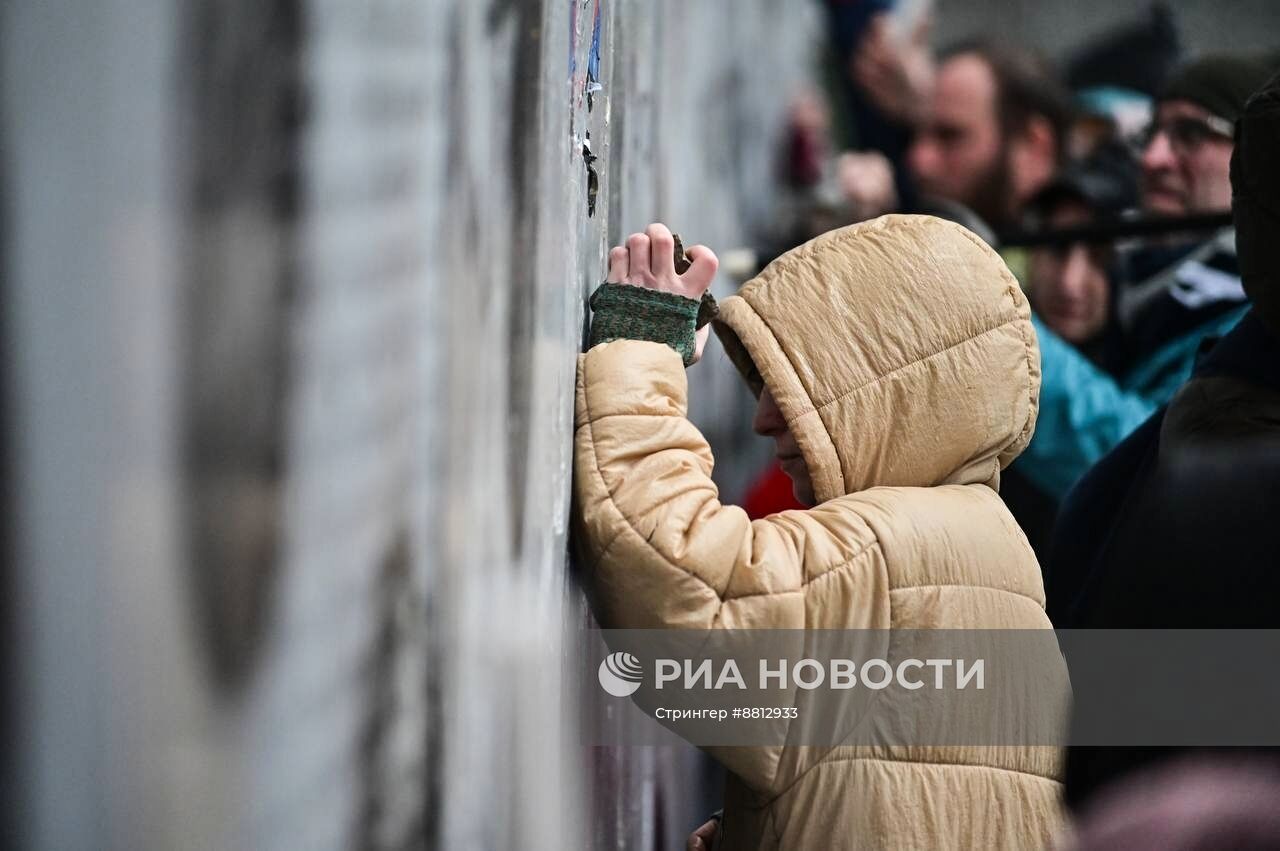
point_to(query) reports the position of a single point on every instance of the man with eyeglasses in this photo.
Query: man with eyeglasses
(1186, 151)
(1171, 296)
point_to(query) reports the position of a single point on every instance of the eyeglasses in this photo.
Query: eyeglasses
(1188, 134)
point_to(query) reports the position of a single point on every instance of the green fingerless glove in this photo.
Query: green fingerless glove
(625, 312)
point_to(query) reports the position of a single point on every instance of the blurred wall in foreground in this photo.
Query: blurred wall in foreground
(293, 294)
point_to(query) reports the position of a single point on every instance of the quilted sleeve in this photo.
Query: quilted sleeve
(659, 548)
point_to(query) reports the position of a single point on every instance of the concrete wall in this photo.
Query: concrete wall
(295, 293)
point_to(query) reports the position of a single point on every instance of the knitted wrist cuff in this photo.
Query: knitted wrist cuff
(625, 312)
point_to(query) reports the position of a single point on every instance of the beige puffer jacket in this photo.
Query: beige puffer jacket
(901, 353)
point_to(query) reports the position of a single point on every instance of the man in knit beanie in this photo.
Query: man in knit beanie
(1175, 528)
(1186, 159)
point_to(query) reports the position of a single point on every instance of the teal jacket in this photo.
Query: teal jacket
(1084, 411)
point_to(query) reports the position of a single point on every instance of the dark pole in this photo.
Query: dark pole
(1110, 231)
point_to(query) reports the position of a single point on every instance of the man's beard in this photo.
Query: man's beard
(992, 192)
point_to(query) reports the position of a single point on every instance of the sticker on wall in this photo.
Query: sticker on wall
(593, 179)
(593, 60)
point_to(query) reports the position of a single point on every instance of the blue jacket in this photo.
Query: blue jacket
(1085, 411)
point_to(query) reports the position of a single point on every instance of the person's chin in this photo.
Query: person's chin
(801, 487)
(803, 492)
(1161, 203)
(1072, 330)
(790, 464)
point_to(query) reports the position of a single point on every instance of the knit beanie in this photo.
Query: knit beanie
(1220, 84)
(1137, 57)
(1255, 201)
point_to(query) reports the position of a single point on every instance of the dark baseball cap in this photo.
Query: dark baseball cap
(1106, 181)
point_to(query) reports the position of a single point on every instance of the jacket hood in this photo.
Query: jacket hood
(900, 351)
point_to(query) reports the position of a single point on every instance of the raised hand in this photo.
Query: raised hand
(648, 260)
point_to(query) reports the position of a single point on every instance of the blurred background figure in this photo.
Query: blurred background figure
(1187, 147)
(1198, 805)
(808, 140)
(994, 132)
(879, 77)
(1069, 282)
(1071, 285)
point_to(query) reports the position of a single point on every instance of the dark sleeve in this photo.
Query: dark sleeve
(1091, 512)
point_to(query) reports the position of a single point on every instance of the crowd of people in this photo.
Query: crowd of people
(989, 135)
(1098, 344)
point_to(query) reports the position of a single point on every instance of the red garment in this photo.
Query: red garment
(770, 493)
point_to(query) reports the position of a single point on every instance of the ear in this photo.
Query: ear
(1039, 139)
(1036, 142)
(1033, 156)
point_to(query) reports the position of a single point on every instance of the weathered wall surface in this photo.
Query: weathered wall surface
(297, 288)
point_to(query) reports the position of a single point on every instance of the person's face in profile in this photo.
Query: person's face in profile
(769, 422)
(1068, 283)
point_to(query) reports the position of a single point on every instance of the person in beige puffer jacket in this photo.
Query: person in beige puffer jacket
(898, 373)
